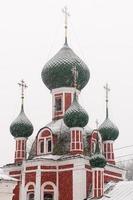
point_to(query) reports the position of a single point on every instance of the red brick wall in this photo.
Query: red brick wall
(48, 176)
(30, 177)
(67, 100)
(16, 192)
(65, 185)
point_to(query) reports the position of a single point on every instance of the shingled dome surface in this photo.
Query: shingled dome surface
(21, 126)
(75, 115)
(108, 130)
(57, 72)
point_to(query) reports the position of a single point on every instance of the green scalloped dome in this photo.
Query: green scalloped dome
(97, 160)
(57, 72)
(21, 126)
(75, 115)
(108, 130)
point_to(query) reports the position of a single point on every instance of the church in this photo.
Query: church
(67, 161)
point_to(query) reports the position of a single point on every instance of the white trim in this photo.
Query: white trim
(44, 139)
(76, 129)
(20, 138)
(112, 176)
(79, 184)
(38, 184)
(80, 142)
(108, 141)
(65, 89)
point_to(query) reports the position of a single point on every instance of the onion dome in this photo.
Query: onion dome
(97, 159)
(21, 126)
(108, 130)
(75, 115)
(57, 72)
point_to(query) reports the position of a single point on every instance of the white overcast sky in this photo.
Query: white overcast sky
(100, 32)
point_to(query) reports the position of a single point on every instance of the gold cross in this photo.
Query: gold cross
(65, 11)
(23, 85)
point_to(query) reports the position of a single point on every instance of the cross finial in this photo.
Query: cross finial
(65, 11)
(97, 123)
(106, 87)
(75, 76)
(23, 85)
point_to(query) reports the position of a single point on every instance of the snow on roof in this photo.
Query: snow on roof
(122, 190)
(5, 177)
(48, 157)
(57, 126)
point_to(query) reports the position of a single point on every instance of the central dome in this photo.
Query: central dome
(57, 72)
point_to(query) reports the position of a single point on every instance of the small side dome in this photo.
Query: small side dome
(97, 160)
(57, 72)
(108, 130)
(21, 126)
(75, 115)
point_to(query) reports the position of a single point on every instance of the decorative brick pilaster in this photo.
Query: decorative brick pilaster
(109, 151)
(76, 144)
(97, 182)
(20, 151)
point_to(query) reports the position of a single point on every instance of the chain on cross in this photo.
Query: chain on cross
(23, 86)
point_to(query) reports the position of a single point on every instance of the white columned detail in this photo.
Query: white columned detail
(76, 144)
(97, 182)
(109, 151)
(23, 190)
(20, 151)
(79, 181)
(38, 184)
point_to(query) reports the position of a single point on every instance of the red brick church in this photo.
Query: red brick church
(67, 161)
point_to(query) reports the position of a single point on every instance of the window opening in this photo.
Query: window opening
(58, 104)
(31, 196)
(42, 147)
(48, 196)
(49, 145)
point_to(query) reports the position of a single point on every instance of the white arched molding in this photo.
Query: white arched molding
(46, 140)
(55, 191)
(27, 191)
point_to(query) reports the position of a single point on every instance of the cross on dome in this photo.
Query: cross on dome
(23, 86)
(107, 89)
(75, 76)
(66, 13)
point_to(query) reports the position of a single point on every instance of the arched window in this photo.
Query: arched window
(48, 191)
(30, 193)
(45, 142)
